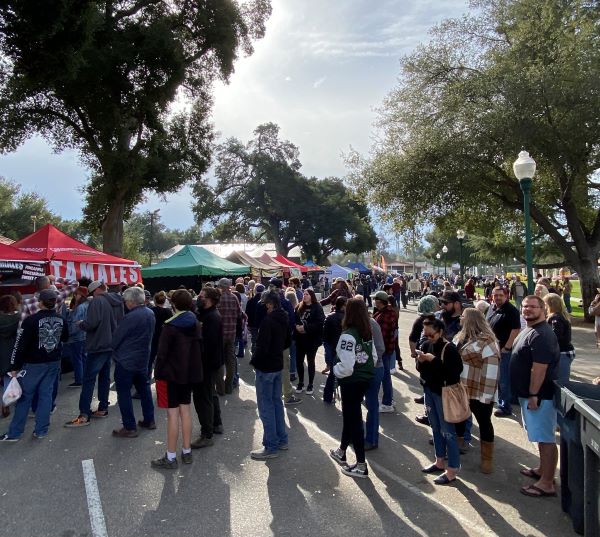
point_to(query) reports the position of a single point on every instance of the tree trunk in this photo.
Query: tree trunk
(112, 228)
(587, 269)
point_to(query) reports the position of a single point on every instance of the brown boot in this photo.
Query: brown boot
(487, 457)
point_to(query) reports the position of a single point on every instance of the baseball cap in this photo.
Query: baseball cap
(48, 295)
(147, 294)
(381, 295)
(450, 296)
(94, 285)
(259, 288)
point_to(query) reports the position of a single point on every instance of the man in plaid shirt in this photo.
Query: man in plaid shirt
(31, 305)
(230, 310)
(387, 318)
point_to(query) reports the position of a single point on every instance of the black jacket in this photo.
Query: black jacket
(271, 340)
(179, 356)
(332, 328)
(40, 339)
(312, 318)
(212, 338)
(436, 374)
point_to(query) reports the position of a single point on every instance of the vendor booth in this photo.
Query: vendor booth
(337, 271)
(19, 268)
(70, 259)
(360, 267)
(298, 269)
(259, 270)
(189, 267)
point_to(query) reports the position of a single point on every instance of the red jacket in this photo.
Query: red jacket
(387, 319)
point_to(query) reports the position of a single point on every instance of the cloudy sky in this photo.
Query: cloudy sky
(320, 71)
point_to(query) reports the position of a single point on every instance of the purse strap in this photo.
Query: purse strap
(442, 357)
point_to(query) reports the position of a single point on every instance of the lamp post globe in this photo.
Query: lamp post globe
(524, 170)
(460, 235)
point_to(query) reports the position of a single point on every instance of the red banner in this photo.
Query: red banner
(109, 274)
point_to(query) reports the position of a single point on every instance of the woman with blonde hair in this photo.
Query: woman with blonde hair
(480, 354)
(540, 290)
(558, 318)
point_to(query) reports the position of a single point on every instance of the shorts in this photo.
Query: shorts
(540, 424)
(171, 395)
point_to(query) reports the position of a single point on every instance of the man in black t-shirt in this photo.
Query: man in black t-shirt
(505, 321)
(533, 368)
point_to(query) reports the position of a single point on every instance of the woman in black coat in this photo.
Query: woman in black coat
(308, 334)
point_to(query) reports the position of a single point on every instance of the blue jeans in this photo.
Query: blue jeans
(124, 380)
(372, 400)
(388, 360)
(504, 395)
(76, 351)
(39, 380)
(97, 364)
(567, 301)
(564, 366)
(270, 409)
(328, 391)
(444, 433)
(35, 400)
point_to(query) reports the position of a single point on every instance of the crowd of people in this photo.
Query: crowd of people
(502, 354)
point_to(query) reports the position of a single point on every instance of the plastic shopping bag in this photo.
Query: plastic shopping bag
(12, 392)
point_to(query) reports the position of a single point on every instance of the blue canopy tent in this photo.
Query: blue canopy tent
(360, 267)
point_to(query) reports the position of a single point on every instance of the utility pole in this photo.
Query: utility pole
(34, 218)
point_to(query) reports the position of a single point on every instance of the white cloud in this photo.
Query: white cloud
(352, 45)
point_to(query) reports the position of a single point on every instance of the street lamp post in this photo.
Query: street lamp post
(445, 250)
(524, 169)
(438, 258)
(34, 218)
(153, 215)
(460, 235)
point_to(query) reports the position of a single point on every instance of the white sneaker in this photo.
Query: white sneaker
(393, 370)
(386, 409)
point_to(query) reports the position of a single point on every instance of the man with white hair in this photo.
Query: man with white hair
(131, 351)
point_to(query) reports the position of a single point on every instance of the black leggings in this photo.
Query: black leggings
(352, 432)
(310, 354)
(483, 415)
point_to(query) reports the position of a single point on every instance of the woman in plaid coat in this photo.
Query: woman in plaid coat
(480, 353)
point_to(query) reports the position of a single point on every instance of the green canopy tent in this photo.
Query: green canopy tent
(188, 267)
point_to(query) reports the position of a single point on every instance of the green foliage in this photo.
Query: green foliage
(260, 194)
(17, 209)
(101, 76)
(519, 74)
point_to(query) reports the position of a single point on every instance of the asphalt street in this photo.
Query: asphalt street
(225, 493)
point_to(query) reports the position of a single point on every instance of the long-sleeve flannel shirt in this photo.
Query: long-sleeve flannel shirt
(387, 319)
(230, 310)
(31, 305)
(480, 369)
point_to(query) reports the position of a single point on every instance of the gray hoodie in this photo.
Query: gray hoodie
(103, 315)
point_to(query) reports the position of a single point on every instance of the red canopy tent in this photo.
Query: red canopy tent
(18, 267)
(285, 261)
(68, 258)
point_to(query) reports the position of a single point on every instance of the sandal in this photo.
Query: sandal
(530, 472)
(536, 492)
